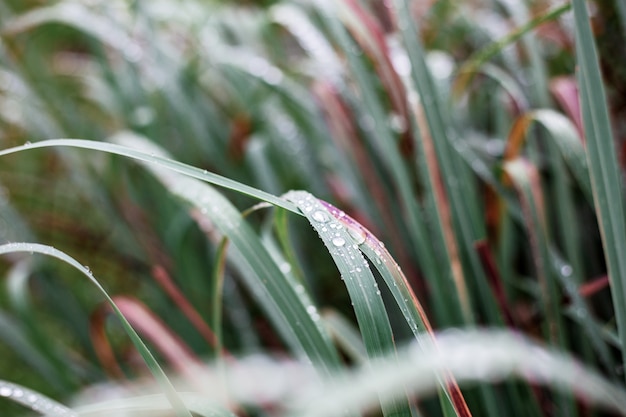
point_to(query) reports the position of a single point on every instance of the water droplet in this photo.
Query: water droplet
(566, 270)
(28, 143)
(320, 216)
(5, 392)
(311, 309)
(357, 234)
(338, 241)
(285, 268)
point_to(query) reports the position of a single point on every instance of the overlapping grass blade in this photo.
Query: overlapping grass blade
(563, 133)
(361, 285)
(478, 59)
(277, 294)
(403, 294)
(152, 364)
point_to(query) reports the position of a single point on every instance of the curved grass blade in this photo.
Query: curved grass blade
(360, 282)
(402, 292)
(171, 164)
(17, 280)
(471, 66)
(346, 335)
(34, 400)
(603, 166)
(564, 135)
(152, 364)
(276, 294)
(78, 16)
(486, 356)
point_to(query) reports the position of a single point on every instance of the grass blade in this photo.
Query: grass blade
(158, 160)
(156, 370)
(603, 166)
(360, 282)
(34, 400)
(276, 294)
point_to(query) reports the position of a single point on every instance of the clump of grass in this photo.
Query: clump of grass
(445, 187)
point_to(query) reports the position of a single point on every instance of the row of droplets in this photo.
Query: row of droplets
(33, 400)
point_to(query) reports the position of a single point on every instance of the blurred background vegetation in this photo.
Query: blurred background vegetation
(422, 131)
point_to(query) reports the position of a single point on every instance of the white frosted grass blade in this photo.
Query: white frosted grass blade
(34, 400)
(486, 356)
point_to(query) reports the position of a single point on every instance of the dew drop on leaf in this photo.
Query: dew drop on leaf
(320, 216)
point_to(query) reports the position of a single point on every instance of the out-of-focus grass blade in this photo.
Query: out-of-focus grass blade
(362, 287)
(179, 356)
(471, 66)
(161, 161)
(17, 281)
(277, 295)
(525, 178)
(152, 364)
(346, 335)
(151, 404)
(80, 17)
(580, 311)
(12, 335)
(564, 135)
(603, 166)
(494, 355)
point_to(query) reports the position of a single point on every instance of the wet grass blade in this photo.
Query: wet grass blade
(150, 361)
(360, 282)
(398, 285)
(158, 160)
(33, 400)
(276, 294)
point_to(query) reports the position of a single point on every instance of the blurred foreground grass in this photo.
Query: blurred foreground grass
(478, 140)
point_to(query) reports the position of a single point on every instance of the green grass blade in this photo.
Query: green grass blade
(161, 161)
(471, 65)
(604, 170)
(360, 282)
(277, 295)
(404, 296)
(12, 335)
(346, 335)
(150, 361)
